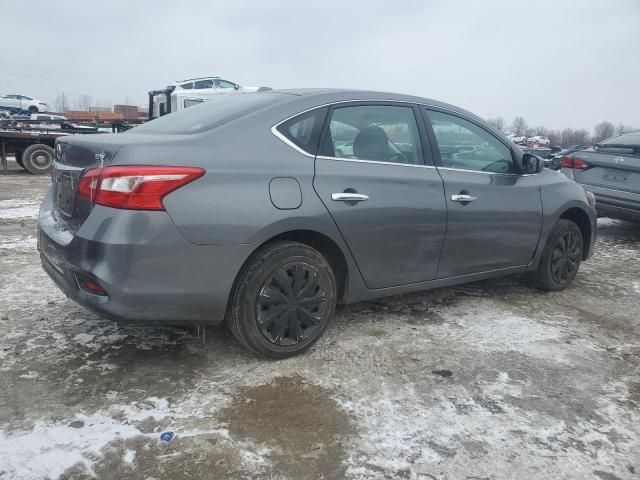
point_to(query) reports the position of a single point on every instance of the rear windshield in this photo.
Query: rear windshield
(209, 114)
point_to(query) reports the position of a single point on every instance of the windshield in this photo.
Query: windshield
(209, 114)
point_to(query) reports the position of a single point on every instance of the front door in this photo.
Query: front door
(494, 213)
(383, 192)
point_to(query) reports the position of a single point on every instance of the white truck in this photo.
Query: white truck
(185, 93)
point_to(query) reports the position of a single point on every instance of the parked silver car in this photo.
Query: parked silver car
(241, 209)
(611, 170)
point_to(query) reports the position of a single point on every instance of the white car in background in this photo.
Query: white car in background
(22, 104)
(539, 140)
(516, 138)
(216, 85)
(185, 93)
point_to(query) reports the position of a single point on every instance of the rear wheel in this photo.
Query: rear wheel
(561, 257)
(37, 158)
(283, 300)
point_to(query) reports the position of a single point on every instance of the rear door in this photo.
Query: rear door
(383, 191)
(494, 213)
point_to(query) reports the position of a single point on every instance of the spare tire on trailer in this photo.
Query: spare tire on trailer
(37, 158)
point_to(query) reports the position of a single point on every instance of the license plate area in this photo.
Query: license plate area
(618, 176)
(65, 193)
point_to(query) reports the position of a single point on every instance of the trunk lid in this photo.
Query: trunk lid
(615, 170)
(73, 156)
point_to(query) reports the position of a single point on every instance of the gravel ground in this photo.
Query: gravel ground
(489, 380)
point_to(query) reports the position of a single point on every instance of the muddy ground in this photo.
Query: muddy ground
(491, 380)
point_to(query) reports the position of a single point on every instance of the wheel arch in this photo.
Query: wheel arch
(581, 218)
(320, 242)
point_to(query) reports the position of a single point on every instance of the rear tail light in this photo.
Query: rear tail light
(134, 187)
(570, 162)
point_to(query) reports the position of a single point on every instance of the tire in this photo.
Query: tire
(283, 300)
(33, 109)
(561, 257)
(18, 156)
(37, 158)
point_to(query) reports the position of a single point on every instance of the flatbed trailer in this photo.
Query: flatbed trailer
(32, 142)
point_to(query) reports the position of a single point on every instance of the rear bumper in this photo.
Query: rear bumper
(616, 203)
(149, 272)
(614, 211)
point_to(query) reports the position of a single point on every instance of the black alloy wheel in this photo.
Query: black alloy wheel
(291, 304)
(561, 257)
(283, 299)
(565, 258)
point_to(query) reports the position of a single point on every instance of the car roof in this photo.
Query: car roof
(198, 78)
(333, 95)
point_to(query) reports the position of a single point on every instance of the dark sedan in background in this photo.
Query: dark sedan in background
(611, 170)
(251, 208)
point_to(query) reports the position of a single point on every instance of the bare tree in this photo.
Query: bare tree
(62, 103)
(603, 130)
(84, 102)
(580, 137)
(555, 137)
(541, 130)
(497, 123)
(519, 126)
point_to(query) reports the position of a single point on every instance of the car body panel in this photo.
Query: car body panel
(396, 235)
(180, 264)
(500, 229)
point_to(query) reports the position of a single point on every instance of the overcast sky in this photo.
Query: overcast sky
(557, 63)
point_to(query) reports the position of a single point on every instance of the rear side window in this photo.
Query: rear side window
(382, 133)
(304, 130)
(188, 86)
(209, 114)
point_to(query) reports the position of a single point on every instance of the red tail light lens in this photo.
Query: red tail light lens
(570, 162)
(134, 187)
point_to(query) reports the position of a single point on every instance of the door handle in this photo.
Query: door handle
(463, 198)
(349, 197)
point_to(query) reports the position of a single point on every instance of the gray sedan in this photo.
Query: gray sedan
(611, 170)
(243, 209)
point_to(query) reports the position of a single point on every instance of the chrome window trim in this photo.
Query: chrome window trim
(276, 132)
(279, 135)
(453, 169)
(376, 162)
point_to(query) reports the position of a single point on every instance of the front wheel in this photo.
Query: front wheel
(561, 257)
(283, 300)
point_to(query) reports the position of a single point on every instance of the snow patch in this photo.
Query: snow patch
(18, 208)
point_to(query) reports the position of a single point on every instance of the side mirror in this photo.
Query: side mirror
(236, 86)
(531, 163)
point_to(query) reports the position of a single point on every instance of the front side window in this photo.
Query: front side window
(382, 133)
(304, 130)
(203, 84)
(464, 145)
(224, 84)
